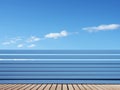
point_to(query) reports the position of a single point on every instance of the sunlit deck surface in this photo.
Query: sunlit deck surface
(59, 87)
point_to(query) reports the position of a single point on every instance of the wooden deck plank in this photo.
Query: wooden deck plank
(81, 87)
(116, 86)
(30, 87)
(36, 87)
(58, 87)
(42, 87)
(106, 87)
(103, 87)
(70, 87)
(3, 86)
(26, 86)
(111, 87)
(53, 87)
(86, 87)
(47, 87)
(75, 86)
(64, 87)
(92, 87)
(15, 86)
(9, 87)
(97, 87)
(19, 87)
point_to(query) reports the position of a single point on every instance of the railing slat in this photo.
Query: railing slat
(59, 51)
(59, 56)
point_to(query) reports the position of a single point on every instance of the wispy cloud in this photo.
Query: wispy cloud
(102, 27)
(12, 41)
(31, 42)
(31, 46)
(20, 45)
(6, 43)
(57, 35)
(33, 39)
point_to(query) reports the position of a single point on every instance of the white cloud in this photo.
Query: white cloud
(31, 46)
(11, 41)
(102, 27)
(6, 43)
(73, 33)
(33, 39)
(20, 45)
(57, 35)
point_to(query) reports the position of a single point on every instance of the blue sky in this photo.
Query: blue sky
(59, 24)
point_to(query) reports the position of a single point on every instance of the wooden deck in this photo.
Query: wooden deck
(58, 87)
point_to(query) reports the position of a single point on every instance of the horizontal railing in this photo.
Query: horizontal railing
(60, 66)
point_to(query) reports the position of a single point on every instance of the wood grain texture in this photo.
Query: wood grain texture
(58, 87)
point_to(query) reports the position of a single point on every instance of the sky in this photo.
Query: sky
(60, 24)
